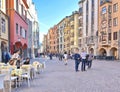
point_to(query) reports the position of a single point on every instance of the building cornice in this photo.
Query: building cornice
(81, 1)
(24, 1)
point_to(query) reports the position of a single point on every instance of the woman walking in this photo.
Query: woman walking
(65, 58)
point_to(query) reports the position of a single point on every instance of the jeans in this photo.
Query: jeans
(76, 65)
(89, 63)
(83, 64)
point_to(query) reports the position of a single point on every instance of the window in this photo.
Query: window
(0, 4)
(115, 7)
(22, 9)
(81, 10)
(16, 28)
(25, 14)
(104, 10)
(72, 26)
(61, 46)
(60, 39)
(109, 36)
(25, 34)
(3, 25)
(110, 23)
(110, 8)
(21, 31)
(93, 3)
(87, 6)
(115, 36)
(17, 6)
(72, 43)
(115, 21)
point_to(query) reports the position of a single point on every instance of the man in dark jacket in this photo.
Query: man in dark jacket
(7, 57)
(77, 58)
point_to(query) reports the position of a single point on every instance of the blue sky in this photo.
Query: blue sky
(50, 12)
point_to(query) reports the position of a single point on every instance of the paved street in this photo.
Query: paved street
(103, 77)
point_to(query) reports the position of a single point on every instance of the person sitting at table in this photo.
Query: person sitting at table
(17, 59)
(27, 61)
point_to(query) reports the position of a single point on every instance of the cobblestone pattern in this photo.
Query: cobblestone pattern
(104, 76)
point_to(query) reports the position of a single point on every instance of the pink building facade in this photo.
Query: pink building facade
(17, 12)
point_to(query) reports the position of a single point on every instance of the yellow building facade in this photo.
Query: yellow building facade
(4, 45)
(67, 34)
(74, 31)
(109, 28)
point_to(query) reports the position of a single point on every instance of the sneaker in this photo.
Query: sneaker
(65, 63)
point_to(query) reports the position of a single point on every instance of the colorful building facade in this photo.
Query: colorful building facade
(109, 28)
(17, 12)
(67, 34)
(88, 25)
(4, 32)
(74, 31)
(52, 40)
(61, 26)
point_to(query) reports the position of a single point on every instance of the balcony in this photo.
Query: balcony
(105, 44)
(103, 41)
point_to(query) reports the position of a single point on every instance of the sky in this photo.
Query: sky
(51, 12)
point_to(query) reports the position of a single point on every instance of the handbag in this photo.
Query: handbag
(11, 62)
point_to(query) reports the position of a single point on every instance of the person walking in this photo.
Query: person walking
(50, 56)
(65, 58)
(77, 58)
(60, 56)
(90, 58)
(83, 56)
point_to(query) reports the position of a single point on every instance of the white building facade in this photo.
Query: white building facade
(89, 17)
(33, 42)
(61, 27)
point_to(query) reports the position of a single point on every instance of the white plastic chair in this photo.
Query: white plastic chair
(10, 78)
(26, 75)
(2, 76)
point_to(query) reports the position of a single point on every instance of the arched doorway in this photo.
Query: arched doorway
(102, 52)
(3, 50)
(113, 52)
(18, 45)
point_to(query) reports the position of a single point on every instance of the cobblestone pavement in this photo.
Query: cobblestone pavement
(104, 76)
